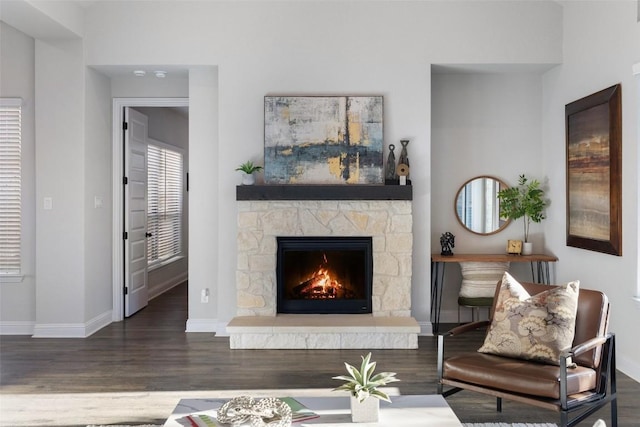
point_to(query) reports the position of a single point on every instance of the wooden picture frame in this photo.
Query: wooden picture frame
(594, 171)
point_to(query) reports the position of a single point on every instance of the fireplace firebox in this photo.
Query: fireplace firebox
(322, 275)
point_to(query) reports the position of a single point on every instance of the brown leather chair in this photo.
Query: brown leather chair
(574, 392)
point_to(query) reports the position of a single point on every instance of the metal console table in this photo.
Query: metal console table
(540, 273)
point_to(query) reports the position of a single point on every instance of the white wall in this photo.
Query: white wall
(97, 201)
(128, 86)
(60, 165)
(205, 245)
(257, 33)
(251, 49)
(44, 19)
(168, 126)
(483, 123)
(256, 49)
(17, 71)
(316, 48)
(601, 44)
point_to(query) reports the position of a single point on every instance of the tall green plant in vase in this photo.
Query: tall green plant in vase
(524, 200)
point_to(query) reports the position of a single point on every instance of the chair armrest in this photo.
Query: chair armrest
(458, 330)
(587, 345)
(608, 364)
(466, 328)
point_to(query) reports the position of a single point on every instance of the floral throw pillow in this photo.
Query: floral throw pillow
(538, 327)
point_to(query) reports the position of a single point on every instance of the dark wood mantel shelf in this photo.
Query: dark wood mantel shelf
(324, 192)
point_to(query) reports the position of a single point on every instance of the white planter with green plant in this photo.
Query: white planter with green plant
(363, 387)
(248, 169)
(524, 200)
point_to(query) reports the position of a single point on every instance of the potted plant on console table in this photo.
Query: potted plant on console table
(248, 168)
(363, 386)
(525, 200)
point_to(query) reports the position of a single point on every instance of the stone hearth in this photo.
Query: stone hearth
(388, 222)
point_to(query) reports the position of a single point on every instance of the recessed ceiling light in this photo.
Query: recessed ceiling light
(139, 73)
(160, 74)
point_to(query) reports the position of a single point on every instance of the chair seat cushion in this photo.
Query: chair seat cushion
(515, 375)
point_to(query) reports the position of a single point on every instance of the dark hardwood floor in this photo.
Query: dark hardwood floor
(151, 352)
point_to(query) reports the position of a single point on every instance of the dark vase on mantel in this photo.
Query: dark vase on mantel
(390, 172)
(404, 156)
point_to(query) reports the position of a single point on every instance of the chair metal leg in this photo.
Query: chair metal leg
(499, 404)
(564, 419)
(439, 362)
(613, 386)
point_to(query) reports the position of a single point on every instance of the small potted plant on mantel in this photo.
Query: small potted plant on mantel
(363, 386)
(524, 200)
(248, 169)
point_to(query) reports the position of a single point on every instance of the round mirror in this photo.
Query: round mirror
(477, 206)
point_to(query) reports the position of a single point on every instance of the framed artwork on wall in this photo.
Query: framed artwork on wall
(323, 139)
(594, 171)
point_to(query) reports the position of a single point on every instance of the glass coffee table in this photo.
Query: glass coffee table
(403, 411)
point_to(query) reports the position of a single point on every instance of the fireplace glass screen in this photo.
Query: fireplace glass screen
(324, 275)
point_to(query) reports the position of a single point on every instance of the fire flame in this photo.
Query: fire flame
(321, 285)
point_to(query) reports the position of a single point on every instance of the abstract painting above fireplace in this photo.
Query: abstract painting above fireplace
(324, 275)
(323, 139)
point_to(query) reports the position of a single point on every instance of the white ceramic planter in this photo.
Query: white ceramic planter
(366, 411)
(248, 179)
(527, 248)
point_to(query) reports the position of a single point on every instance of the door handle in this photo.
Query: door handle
(148, 234)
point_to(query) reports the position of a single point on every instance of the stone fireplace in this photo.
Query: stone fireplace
(379, 213)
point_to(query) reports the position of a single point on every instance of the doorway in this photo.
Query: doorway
(120, 257)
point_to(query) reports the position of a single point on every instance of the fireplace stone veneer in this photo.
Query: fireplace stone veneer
(387, 222)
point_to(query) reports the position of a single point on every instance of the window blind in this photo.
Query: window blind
(164, 195)
(10, 186)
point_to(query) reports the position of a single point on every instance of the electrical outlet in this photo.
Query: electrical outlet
(204, 295)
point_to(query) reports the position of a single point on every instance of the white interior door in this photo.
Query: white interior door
(135, 141)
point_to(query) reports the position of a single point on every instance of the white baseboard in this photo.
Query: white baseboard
(202, 325)
(72, 330)
(163, 287)
(426, 328)
(98, 322)
(628, 367)
(59, 330)
(221, 330)
(17, 327)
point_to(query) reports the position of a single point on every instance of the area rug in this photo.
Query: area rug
(508, 425)
(151, 408)
(463, 424)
